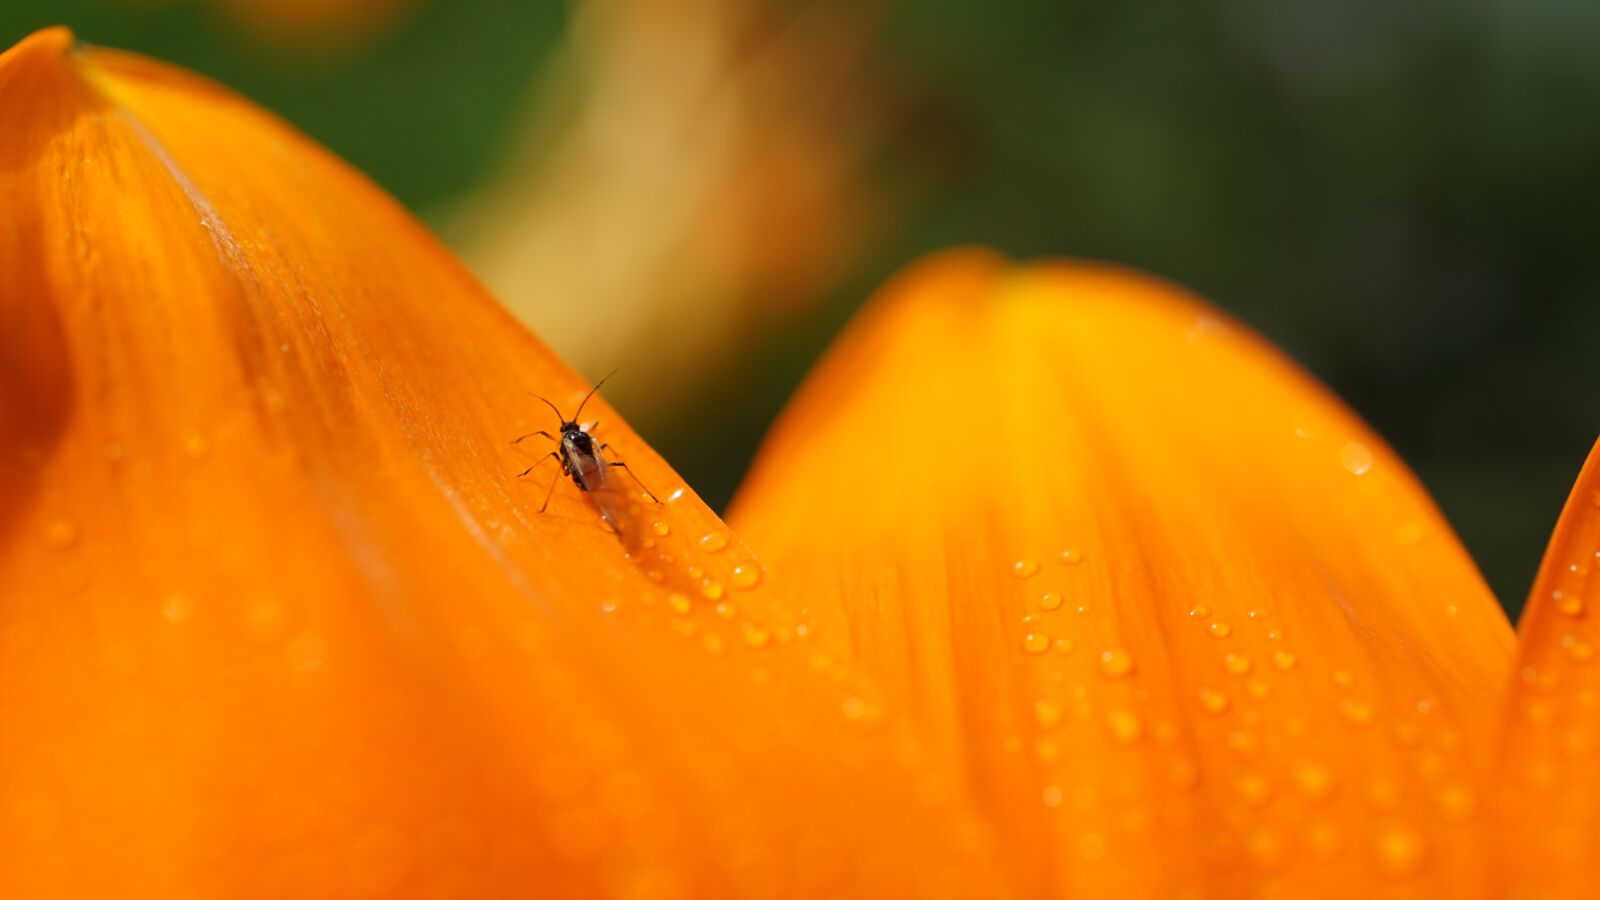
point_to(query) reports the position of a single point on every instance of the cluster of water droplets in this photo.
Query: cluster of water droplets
(1278, 790)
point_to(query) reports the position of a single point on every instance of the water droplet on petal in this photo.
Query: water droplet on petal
(745, 576)
(1578, 650)
(1025, 568)
(1220, 629)
(1236, 664)
(1051, 796)
(1126, 725)
(1035, 642)
(679, 603)
(1091, 846)
(1283, 659)
(713, 590)
(1398, 848)
(177, 608)
(1199, 611)
(713, 542)
(1213, 701)
(756, 636)
(1356, 712)
(1457, 801)
(1569, 603)
(1314, 780)
(1050, 601)
(662, 529)
(1356, 458)
(61, 534)
(1073, 557)
(1253, 788)
(1116, 663)
(1046, 713)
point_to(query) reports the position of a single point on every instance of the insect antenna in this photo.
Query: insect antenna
(591, 394)
(552, 406)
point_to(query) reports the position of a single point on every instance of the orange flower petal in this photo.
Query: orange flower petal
(277, 618)
(1548, 776)
(1184, 620)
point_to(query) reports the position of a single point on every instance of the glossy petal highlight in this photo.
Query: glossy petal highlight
(277, 617)
(1184, 621)
(1547, 782)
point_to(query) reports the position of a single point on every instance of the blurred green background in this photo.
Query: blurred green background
(1402, 195)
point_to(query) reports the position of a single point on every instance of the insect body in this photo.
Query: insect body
(583, 459)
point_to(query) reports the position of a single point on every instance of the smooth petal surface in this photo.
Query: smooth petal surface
(1548, 777)
(277, 619)
(1188, 627)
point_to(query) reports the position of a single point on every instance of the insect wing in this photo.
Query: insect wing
(620, 502)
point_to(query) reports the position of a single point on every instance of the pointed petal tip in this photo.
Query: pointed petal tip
(56, 40)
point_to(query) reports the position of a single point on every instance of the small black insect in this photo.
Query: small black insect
(584, 460)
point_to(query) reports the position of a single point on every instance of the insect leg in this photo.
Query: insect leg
(539, 463)
(619, 464)
(550, 493)
(531, 434)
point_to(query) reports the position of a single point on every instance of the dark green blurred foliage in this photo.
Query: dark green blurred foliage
(1402, 195)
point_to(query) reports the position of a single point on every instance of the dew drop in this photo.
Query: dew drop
(853, 708)
(1456, 801)
(1050, 601)
(679, 603)
(1398, 848)
(1569, 604)
(1025, 568)
(1035, 642)
(726, 610)
(61, 534)
(1213, 701)
(177, 608)
(713, 590)
(713, 542)
(1063, 646)
(756, 636)
(1220, 629)
(1578, 650)
(1356, 712)
(661, 529)
(1051, 796)
(1258, 689)
(1046, 713)
(745, 576)
(712, 643)
(1073, 557)
(1283, 659)
(1236, 664)
(1356, 458)
(1243, 742)
(1116, 663)
(1126, 725)
(195, 445)
(1342, 678)
(1315, 781)
(1253, 788)
(1092, 846)
(1199, 611)
(1183, 773)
